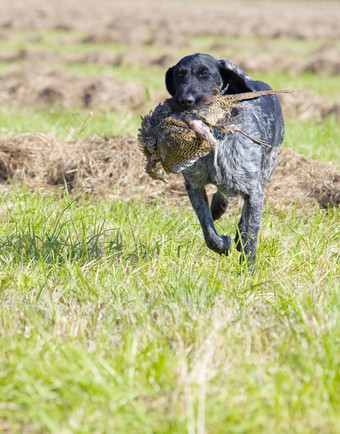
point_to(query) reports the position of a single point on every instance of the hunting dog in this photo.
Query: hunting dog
(244, 166)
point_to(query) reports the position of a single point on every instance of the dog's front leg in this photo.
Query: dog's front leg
(249, 226)
(199, 201)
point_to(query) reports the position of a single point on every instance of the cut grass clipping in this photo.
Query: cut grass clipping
(116, 166)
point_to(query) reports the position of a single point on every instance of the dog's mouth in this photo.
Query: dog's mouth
(204, 100)
(200, 103)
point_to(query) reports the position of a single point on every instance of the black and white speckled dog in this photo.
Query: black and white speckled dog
(244, 166)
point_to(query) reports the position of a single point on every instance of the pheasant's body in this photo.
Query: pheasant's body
(173, 140)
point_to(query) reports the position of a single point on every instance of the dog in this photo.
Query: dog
(243, 165)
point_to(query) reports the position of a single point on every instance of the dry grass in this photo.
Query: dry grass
(116, 166)
(300, 179)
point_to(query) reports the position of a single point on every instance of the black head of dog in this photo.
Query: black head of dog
(198, 76)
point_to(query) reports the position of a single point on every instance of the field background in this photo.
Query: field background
(114, 315)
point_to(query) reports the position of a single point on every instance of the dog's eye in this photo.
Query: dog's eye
(180, 74)
(203, 73)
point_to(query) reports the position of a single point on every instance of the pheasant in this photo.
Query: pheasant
(173, 140)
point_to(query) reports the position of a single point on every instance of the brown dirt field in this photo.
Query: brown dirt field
(325, 60)
(307, 105)
(115, 167)
(37, 85)
(40, 85)
(143, 23)
(34, 81)
(161, 22)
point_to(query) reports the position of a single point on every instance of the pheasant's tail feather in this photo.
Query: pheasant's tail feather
(254, 139)
(250, 95)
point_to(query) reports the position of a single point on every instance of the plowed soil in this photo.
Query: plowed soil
(324, 60)
(39, 85)
(163, 22)
(36, 81)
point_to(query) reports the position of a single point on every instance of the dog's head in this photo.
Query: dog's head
(198, 76)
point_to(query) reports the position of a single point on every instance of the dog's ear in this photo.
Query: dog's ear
(233, 77)
(169, 81)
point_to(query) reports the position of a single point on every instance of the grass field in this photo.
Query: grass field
(115, 317)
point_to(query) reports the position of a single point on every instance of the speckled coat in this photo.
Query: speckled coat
(244, 166)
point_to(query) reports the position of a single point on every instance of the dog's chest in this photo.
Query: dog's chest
(238, 168)
(201, 174)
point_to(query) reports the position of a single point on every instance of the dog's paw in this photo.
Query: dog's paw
(247, 247)
(227, 245)
(219, 244)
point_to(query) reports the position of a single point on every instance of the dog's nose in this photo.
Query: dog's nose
(187, 101)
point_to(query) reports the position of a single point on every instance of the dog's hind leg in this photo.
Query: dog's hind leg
(218, 206)
(199, 201)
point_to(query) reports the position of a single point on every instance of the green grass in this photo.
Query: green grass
(326, 87)
(60, 41)
(151, 77)
(247, 46)
(315, 140)
(71, 124)
(115, 317)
